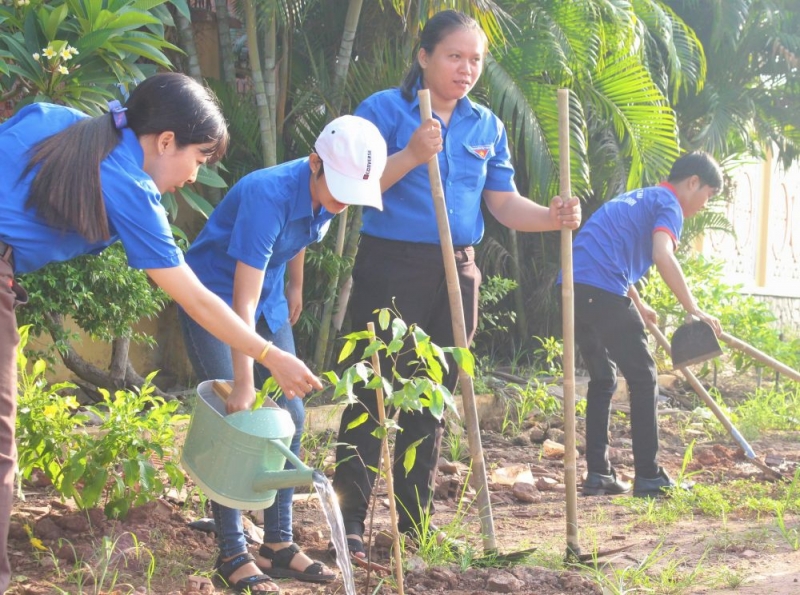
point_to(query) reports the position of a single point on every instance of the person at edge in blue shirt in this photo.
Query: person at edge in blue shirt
(612, 251)
(266, 221)
(399, 261)
(73, 185)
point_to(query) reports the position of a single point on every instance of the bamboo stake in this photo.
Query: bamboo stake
(568, 321)
(479, 480)
(387, 466)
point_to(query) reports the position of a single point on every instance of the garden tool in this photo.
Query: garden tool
(692, 343)
(695, 342)
(703, 394)
(568, 318)
(238, 459)
(480, 482)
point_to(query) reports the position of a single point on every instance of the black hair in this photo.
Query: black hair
(698, 164)
(66, 191)
(437, 28)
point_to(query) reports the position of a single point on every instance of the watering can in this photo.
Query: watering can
(238, 459)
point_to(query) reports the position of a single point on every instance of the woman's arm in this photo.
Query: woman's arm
(522, 214)
(214, 315)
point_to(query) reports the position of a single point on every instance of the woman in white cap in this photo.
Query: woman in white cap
(260, 229)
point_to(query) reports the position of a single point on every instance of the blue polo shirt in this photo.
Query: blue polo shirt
(264, 221)
(132, 201)
(475, 157)
(614, 248)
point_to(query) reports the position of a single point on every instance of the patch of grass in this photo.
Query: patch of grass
(769, 409)
(658, 572)
(455, 441)
(104, 572)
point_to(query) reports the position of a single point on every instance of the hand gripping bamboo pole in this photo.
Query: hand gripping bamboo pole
(479, 481)
(387, 466)
(568, 322)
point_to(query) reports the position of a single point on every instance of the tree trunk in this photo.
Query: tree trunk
(325, 342)
(227, 62)
(270, 74)
(262, 104)
(91, 373)
(186, 40)
(119, 360)
(342, 64)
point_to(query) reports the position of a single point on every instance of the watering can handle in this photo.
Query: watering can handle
(222, 388)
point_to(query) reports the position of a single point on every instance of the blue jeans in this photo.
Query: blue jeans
(211, 359)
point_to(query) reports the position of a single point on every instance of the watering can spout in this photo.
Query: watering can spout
(302, 474)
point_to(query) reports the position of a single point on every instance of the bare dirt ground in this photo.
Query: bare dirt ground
(740, 554)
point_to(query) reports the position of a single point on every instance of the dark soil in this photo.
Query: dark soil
(83, 552)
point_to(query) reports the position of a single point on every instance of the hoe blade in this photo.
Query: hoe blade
(692, 343)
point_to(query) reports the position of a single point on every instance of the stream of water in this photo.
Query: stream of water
(330, 507)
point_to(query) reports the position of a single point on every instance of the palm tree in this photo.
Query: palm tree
(751, 98)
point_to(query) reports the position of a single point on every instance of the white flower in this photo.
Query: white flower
(36, 56)
(63, 69)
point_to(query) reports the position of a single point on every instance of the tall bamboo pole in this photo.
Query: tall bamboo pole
(479, 480)
(568, 313)
(387, 468)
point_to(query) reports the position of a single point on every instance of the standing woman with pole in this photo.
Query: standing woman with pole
(399, 262)
(73, 185)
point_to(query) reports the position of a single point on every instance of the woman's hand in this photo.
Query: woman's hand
(291, 374)
(241, 398)
(566, 214)
(294, 297)
(426, 141)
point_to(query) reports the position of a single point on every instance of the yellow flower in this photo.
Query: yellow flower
(49, 52)
(36, 56)
(66, 54)
(37, 544)
(72, 50)
(63, 70)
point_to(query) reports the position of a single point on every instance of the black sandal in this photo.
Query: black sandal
(281, 559)
(226, 569)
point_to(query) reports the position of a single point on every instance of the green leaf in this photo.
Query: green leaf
(347, 350)
(384, 316)
(358, 421)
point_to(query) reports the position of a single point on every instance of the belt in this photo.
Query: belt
(7, 253)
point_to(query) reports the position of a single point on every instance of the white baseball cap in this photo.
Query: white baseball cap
(353, 154)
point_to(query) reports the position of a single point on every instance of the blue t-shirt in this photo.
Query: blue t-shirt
(614, 248)
(264, 221)
(475, 157)
(132, 201)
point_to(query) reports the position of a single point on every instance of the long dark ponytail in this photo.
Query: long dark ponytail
(437, 28)
(66, 191)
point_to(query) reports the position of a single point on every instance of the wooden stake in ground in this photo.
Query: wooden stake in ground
(387, 466)
(479, 480)
(568, 314)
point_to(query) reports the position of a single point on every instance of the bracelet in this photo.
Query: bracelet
(264, 352)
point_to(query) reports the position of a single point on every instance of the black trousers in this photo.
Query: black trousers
(609, 332)
(410, 278)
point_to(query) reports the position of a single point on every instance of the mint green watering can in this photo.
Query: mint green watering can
(238, 459)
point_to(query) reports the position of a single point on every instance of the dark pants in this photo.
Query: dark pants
(11, 295)
(609, 332)
(410, 278)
